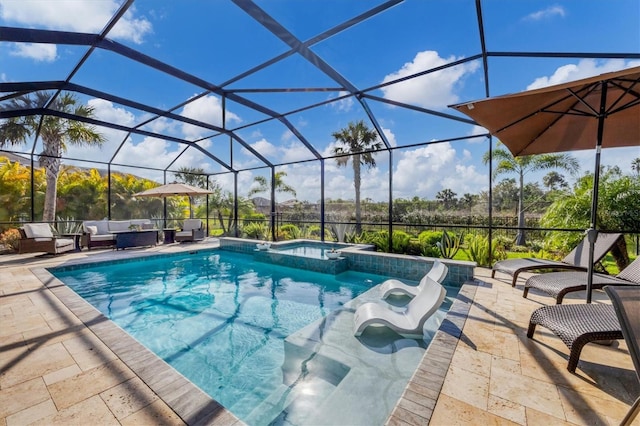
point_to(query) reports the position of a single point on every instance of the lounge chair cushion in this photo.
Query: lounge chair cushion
(37, 230)
(64, 243)
(191, 224)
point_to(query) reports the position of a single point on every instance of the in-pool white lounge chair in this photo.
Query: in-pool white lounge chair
(437, 273)
(408, 322)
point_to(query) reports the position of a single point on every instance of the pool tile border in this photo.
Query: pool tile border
(187, 400)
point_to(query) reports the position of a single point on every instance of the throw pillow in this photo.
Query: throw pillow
(93, 230)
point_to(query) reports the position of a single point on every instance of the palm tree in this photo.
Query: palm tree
(56, 134)
(507, 163)
(447, 197)
(264, 186)
(358, 144)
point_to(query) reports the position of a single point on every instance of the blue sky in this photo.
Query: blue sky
(217, 40)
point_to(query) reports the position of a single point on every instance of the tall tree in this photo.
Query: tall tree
(56, 133)
(554, 181)
(447, 197)
(265, 186)
(357, 143)
(506, 163)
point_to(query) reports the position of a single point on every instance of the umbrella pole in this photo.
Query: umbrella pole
(592, 232)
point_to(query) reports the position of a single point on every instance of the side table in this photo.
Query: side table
(169, 235)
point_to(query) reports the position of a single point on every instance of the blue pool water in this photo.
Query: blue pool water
(313, 251)
(219, 318)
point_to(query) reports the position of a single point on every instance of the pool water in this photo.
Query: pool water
(313, 251)
(218, 318)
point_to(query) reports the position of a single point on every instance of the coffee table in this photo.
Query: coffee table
(144, 237)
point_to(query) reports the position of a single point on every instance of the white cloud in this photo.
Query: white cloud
(105, 110)
(207, 109)
(343, 105)
(39, 52)
(391, 138)
(73, 15)
(435, 90)
(583, 69)
(264, 147)
(547, 13)
(426, 170)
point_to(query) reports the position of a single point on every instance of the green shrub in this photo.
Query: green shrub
(504, 242)
(290, 231)
(414, 248)
(478, 250)
(428, 242)
(257, 230)
(400, 242)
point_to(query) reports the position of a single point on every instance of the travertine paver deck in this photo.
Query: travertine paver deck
(63, 363)
(499, 376)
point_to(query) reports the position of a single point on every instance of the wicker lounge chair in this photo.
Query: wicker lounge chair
(437, 273)
(37, 237)
(577, 325)
(578, 259)
(410, 321)
(558, 284)
(626, 301)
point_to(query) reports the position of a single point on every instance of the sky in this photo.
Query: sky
(218, 41)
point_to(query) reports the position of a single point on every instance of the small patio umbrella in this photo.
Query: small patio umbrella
(171, 189)
(597, 112)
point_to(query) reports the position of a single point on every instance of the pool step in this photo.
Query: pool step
(292, 403)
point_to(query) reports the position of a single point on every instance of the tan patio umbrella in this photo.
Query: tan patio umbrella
(597, 112)
(171, 189)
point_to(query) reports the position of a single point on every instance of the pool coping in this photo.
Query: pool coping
(195, 407)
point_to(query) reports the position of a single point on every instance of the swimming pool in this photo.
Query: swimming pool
(219, 318)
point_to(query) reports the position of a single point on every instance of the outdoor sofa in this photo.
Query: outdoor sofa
(100, 233)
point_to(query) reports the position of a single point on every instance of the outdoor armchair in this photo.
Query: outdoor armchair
(191, 231)
(577, 260)
(37, 237)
